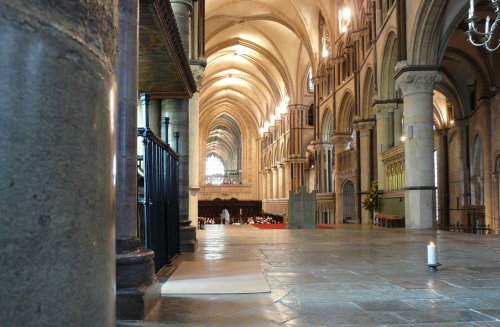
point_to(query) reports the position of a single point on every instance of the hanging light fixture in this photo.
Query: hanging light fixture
(483, 39)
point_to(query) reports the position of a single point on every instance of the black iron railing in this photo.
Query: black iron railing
(467, 220)
(159, 222)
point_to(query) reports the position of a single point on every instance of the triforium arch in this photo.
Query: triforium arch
(327, 125)
(346, 114)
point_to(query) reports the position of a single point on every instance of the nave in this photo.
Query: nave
(354, 275)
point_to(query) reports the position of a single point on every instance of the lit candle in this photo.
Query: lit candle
(431, 254)
(472, 6)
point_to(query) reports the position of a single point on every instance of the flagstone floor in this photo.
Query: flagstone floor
(349, 276)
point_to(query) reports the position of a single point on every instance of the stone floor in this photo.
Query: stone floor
(350, 276)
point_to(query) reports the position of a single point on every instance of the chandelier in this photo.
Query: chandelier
(485, 38)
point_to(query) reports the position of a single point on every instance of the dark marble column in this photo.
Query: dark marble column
(57, 118)
(136, 284)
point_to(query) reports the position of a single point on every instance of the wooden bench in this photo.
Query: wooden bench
(389, 220)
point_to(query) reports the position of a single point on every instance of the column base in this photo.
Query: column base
(188, 241)
(137, 289)
(419, 209)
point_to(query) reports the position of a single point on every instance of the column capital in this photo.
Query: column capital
(340, 139)
(323, 146)
(415, 79)
(198, 70)
(364, 124)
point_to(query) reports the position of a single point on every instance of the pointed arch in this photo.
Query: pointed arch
(346, 114)
(368, 93)
(387, 88)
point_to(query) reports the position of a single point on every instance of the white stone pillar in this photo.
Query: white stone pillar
(365, 165)
(194, 146)
(417, 87)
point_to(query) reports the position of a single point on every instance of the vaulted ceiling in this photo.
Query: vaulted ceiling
(259, 53)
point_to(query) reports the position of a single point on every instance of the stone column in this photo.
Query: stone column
(381, 112)
(297, 172)
(275, 183)
(58, 119)
(135, 275)
(178, 110)
(339, 141)
(288, 179)
(194, 146)
(269, 179)
(264, 184)
(182, 12)
(281, 181)
(417, 87)
(323, 167)
(364, 128)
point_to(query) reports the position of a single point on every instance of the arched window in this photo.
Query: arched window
(214, 170)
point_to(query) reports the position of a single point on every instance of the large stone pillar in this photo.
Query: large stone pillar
(182, 12)
(178, 110)
(382, 114)
(365, 172)
(57, 116)
(417, 87)
(194, 146)
(135, 275)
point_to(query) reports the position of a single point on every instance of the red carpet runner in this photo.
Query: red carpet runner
(270, 226)
(283, 226)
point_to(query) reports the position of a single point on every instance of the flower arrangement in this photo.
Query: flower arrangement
(371, 199)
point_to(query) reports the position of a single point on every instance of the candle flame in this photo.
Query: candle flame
(431, 243)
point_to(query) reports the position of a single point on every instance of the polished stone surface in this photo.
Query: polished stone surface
(350, 276)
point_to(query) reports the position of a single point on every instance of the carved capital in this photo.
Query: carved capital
(382, 109)
(364, 125)
(198, 73)
(323, 146)
(417, 81)
(340, 140)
